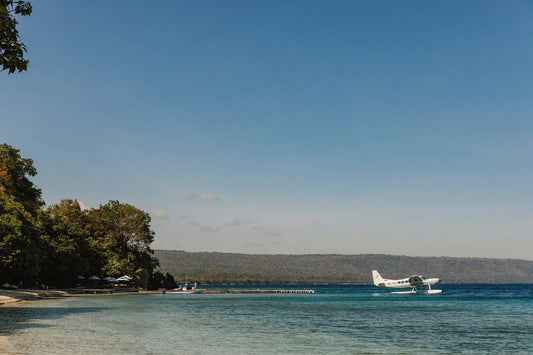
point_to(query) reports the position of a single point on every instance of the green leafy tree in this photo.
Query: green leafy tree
(20, 202)
(11, 48)
(156, 281)
(14, 181)
(65, 247)
(121, 233)
(19, 249)
(169, 282)
(58, 243)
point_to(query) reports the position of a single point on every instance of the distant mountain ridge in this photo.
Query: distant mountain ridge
(214, 267)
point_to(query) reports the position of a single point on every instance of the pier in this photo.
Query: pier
(100, 291)
(271, 291)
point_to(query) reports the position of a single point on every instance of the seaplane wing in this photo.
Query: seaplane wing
(412, 282)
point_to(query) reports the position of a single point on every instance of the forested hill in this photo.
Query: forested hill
(206, 267)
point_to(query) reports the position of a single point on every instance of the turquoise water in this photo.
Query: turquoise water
(473, 319)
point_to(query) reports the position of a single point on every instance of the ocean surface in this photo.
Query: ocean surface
(337, 319)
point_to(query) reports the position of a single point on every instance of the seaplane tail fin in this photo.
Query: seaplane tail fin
(378, 280)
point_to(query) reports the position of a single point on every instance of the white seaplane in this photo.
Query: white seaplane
(412, 282)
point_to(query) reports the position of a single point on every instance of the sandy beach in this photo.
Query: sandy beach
(5, 346)
(12, 296)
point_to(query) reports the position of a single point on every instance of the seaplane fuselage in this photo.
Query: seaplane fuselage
(411, 282)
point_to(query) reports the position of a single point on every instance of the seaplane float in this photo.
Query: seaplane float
(412, 282)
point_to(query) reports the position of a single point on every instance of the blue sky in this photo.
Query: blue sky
(287, 126)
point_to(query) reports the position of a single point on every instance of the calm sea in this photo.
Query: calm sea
(337, 319)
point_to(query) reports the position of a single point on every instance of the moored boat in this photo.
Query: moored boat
(186, 288)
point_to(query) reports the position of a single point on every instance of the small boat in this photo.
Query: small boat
(186, 288)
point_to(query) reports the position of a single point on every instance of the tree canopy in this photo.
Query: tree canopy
(14, 179)
(122, 232)
(20, 202)
(11, 47)
(19, 247)
(55, 244)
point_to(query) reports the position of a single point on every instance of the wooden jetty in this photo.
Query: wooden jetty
(159, 291)
(214, 291)
(271, 291)
(109, 291)
(100, 291)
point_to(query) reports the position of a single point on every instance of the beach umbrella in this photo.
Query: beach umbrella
(81, 277)
(95, 278)
(110, 279)
(124, 278)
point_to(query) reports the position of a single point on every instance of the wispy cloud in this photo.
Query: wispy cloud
(238, 222)
(273, 234)
(159, 214)
(205, 196)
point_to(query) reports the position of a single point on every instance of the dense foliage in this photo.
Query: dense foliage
(11, 48)
(54, 245)
(321, 269)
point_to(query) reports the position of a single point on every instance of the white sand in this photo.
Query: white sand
(10, 296)
(5, 346)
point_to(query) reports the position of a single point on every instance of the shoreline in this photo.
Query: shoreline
(8, 297)
(15, 296)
